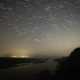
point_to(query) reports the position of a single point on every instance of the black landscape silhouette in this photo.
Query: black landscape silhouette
(69, 69)
(16, 68)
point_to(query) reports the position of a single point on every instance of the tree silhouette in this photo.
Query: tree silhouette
(70, 68)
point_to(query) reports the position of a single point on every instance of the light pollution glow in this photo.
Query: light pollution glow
(30, 29)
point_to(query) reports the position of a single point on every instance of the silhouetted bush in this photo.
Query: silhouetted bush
(70, 68)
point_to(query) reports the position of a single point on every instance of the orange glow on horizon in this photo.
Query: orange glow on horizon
(21, 53)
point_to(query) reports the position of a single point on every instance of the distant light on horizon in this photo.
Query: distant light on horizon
(20, 53)
(19, 56)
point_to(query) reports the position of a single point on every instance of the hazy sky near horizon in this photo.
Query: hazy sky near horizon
(39, 27)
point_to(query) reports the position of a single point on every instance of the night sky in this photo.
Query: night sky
(34, 28)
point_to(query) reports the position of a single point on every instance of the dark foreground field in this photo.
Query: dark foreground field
(26, 69)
